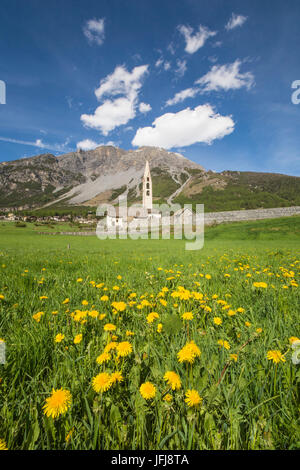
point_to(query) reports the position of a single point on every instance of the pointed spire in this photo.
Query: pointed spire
(147, 169)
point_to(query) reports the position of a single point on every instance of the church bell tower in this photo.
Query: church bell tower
(147, 189)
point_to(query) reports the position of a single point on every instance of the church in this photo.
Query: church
(118, 219)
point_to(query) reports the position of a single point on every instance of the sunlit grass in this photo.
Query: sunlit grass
(246, 400)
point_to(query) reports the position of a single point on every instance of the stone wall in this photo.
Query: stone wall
(83, 234)
(253, 214)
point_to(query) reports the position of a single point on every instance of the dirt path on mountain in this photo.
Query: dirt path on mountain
(178, 191)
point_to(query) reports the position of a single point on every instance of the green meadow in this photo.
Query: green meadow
(99, 319)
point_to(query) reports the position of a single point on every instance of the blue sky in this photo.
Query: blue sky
(210, 79)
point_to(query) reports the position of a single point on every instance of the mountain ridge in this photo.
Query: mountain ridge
(87, 178)
(81, 176)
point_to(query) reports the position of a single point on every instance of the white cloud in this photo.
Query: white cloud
(220, 77)
(217, 44)
(235, 21)
(144, 107)
(226, 77)
(181, 67)
(185, 128)
(114, 113)
(193, 42)
(110, 115)
(122, 82)
(182, 95)
(171, 48)
(86, 144)
(39, 144)
(163, 63)
(94, 31)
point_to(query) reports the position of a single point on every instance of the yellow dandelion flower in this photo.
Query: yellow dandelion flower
(173, 380)
(129, 333)
(79, 279)
(258, 330)
(234, 357)
(264, 285)
(66, 301)
(124, 348)
(248, 324)
(224, 343)
(102, 316)
(37, 316)
(43, 297)
(275, 356)
(102, 382)
(3, 445)
(152, 316)
(217, 321)
(119, 306)
(110, 346)
(109, 327)
(168, 398)
(187, 316)
(188, 353)
(78, 339)
(185, 355)
(93, 313)
(104, 298)
(231, 313)
(147, 390)
(58, 403)
(192, 398)
(59, 338)
(132, 295)
(194, 348)
(104, 357)
(159, 328)
(241, 310)
(293, 339)
(117, 377)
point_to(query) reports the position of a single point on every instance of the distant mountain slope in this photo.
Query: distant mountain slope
(85, 177)
(34, 181)
(101, 175)
(235, 190)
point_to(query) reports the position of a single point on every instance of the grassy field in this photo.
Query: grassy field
(104, 321)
